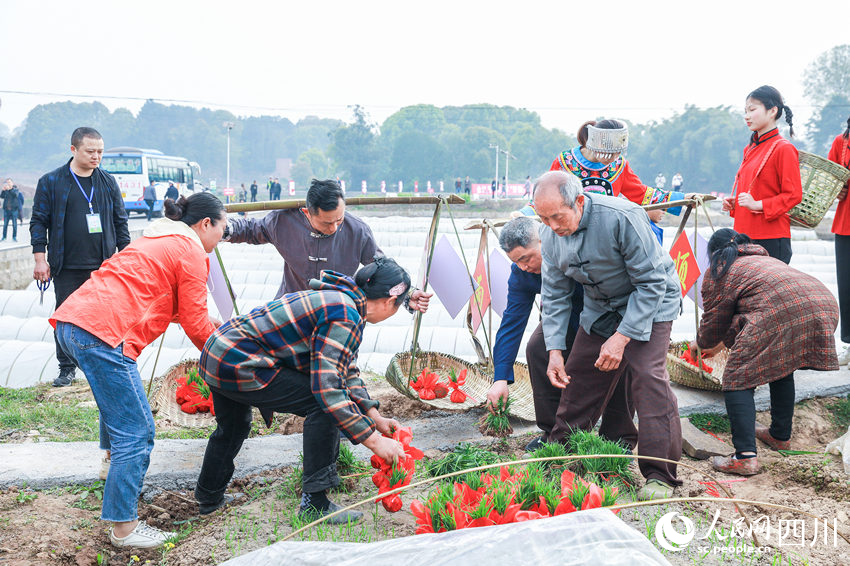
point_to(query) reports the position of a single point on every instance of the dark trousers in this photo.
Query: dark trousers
(842, 272)
(741, 409)
(779, 248)
(10, 216)
(617, 419)
(590, 391)
(253, 196)
(288, 392)
(64, 284)
(149, 211)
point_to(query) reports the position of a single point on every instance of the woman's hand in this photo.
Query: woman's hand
(728, 204)
(386, 448)
(747, 201)
(383, 424)
(842, 194)
(706, 352)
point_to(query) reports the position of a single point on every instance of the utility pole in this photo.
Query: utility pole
(229, 126)
(496, 147)
(508, 157)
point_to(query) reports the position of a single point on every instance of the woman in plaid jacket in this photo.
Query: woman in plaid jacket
(774, 319)
(298, 354)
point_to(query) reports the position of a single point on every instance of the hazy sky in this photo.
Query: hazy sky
(569, 61)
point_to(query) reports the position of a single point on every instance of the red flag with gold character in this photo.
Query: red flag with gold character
(481, 295)
(687, 269)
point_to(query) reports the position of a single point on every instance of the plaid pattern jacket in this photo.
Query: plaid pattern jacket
(773, 318)
(47, 225)
(315, 332)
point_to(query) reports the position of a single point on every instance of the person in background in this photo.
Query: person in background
(297, 354)
(768, 184)
(159, 278)
(458, 185)
(660, 181)
(839, 153)
(775, 320)
(149, 196)
(677, 182)
(78, 221)
(172, 192)
(254, 191)
(11, 205)
(520, 240)
(493, 189)
(467, 185)
(527, 187)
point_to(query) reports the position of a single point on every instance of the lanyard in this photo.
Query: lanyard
(87, 197)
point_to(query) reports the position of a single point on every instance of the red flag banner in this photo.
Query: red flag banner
(686, 265)
(481, 295)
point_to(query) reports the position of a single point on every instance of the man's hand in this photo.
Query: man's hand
(656, 215)
(728, 204)
(555, 372)
(387, 448)
(499, 390)
(42, 269)
(384, 425)
(842, 193)
(419, 300)
(611, 352)
(747, 201)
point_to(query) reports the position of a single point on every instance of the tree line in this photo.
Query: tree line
(421, 142)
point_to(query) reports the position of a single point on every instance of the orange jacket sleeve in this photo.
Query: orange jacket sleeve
(192, 271)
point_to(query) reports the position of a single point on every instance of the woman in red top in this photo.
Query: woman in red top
(840, 153)
(768, 182)
(157, 279)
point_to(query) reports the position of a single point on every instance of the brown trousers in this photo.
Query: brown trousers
(590, 391)
(617, 418)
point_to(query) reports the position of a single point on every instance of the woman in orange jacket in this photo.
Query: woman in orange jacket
(767, 185)
(840, 153)
(157, 279)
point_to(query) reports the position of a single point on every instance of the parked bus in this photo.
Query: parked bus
(135, 168)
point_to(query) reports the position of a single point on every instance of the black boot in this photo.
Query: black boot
(316, 505)
(66, 377)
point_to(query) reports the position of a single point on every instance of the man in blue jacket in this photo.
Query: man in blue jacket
(78, 212)
(520, 240)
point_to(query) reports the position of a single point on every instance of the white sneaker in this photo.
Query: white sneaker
(104, 466)
(844, 356)
(143, 536)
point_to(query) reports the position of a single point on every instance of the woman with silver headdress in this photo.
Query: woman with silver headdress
(599, 164)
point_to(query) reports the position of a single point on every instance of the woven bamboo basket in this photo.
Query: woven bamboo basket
(478, 382)
(683, 373)
(822, 181)
(476, 386)
(164, 399)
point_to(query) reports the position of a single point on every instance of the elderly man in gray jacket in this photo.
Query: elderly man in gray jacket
(631, 297)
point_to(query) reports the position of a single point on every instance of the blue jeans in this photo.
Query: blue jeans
(125, 417)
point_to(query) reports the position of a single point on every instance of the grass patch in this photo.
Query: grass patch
(711, 422)
(59, 419)
(463, 457)
(584, 443)
(840, 412)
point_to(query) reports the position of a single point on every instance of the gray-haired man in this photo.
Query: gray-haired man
(631, 297)
(520, 239)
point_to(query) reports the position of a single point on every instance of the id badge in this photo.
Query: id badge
(93, 221)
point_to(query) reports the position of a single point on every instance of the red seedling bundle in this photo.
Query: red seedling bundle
(511, 497)
(455, 381)
(429, 386)
(193, 395)
(686, 356)
(391, 476)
